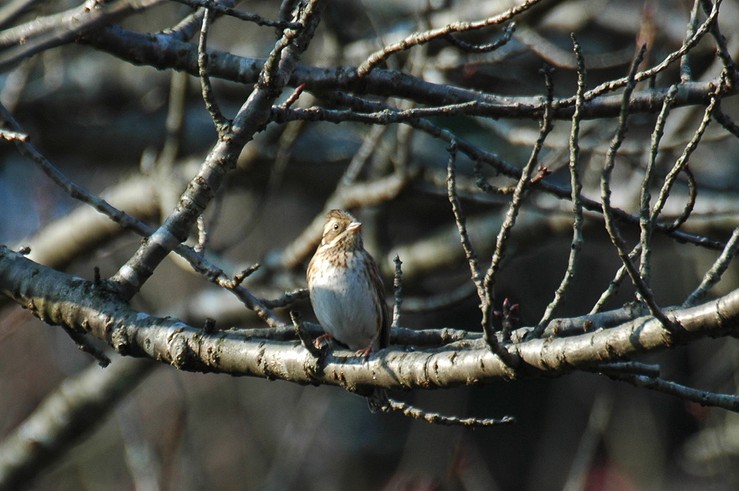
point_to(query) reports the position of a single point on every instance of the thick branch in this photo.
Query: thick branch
(164, 52)
(65, 418)
(57, 29)
(58, 298)
(251, 118)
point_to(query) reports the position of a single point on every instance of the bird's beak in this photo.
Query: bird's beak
(354, 227)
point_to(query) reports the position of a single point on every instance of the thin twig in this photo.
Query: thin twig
(379, 113)
(286, 298)
(293, 97)
(713, 275)
(460, 220)
(523, 183)
(615, 283)
(397, 291)
(704, 398)
(685, 70)
(221, 123)
(239, 277)
(486, 306)
(722, 49)
(86, 346)
(605, 185)
(645, 223)
(660, 67)
(576, 187)
(684, 158)
(483, 48)
(692, 198)
(410, 411)
(304, 337)
(237, 14)
(469, 250)
(198, 262)
(423, 37)
(475, 271)
(651, 221)
(725, 121)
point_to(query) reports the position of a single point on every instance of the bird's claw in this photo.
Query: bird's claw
(322, 341)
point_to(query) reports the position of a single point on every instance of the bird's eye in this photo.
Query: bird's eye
(336, 226)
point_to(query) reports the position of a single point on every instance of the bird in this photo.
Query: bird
(346, 289)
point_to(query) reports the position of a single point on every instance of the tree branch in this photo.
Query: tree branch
(162, 51)
(61, 299)
(64, 418)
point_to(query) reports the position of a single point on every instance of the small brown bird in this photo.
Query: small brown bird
(345, 287)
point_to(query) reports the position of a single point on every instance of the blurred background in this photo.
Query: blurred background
(136, 135)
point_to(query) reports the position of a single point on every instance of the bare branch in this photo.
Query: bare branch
(459, 219)
(682, 161)
(704, 398)
(664, 64)
(54, 30)
(486, 306)
(238, 14)
(613, 232)
(465, 86)
(64, 418)
(439, 419)
(165, 52)
(713, 275)
(517, 200)
(477, 154)
(645, 222)
(426, 36)
(189, 348)
(251, 118)
(576, 187)
(685, 70)
(483, 48)
(221, 123)
(196, 260)
(397, 291)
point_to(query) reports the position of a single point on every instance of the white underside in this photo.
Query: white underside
(344, 306)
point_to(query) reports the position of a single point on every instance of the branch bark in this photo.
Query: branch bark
(61, 299)
(165, 52)
(71, 413)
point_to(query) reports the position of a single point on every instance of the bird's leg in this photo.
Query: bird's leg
(321, 340)
(373, 345)
(364, 352)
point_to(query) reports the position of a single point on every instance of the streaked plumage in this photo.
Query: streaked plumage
(346, 290)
